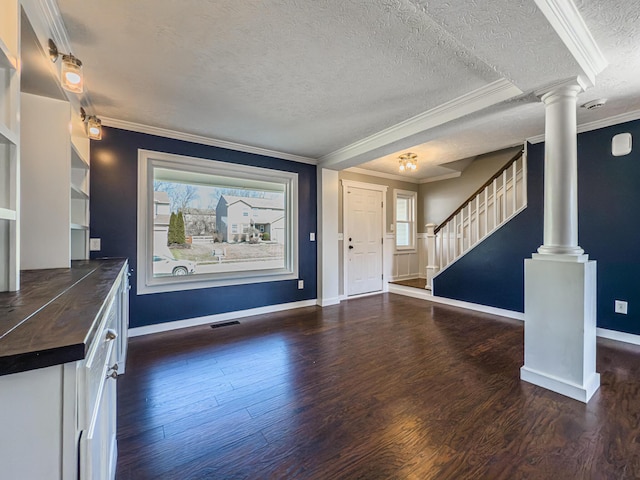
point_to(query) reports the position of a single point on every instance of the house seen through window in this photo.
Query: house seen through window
(216, 222)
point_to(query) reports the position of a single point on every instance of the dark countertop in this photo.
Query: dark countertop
(51, 320)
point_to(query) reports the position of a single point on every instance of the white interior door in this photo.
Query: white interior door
(363, 240)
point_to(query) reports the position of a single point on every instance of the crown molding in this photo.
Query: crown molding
(391, 176)
(53, 19)
(446, 176)
(566, 20)
(373, 173)
(597, 124)
(578, 81)
(47, 23)
(189, 137)
(471, 102)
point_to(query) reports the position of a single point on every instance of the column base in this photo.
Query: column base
(559, 250)
(560, 325)
(582, 393)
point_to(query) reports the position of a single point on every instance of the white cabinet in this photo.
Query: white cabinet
(59, 422)
(55, 184)
(9, 145)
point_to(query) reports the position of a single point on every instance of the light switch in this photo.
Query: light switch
(94, 245)
(620, 306)
(312, 237)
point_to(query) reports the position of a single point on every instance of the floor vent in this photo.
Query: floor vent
(225, 324)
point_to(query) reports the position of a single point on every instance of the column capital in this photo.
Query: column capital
(568, 86)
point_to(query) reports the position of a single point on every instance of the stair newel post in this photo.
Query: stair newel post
(432, 264)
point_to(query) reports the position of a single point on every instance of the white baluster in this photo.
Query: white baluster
(486, 211)
(513, 182)
(477, 219)
(504, 197)
(495, 203)
(524, 178)
(454, 221)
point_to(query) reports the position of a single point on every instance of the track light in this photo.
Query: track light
(71, 77)
(93, 125)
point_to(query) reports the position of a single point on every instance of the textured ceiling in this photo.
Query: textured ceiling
(311, 77)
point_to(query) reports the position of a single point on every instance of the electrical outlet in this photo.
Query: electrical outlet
(620, 306)
(300, 284)
(94, 245)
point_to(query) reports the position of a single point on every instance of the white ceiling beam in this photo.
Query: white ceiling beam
(566, 20)
(491, 94)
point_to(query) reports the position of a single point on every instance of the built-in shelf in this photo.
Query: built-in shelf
(78, 194)
(77, 226)
(77, 160)
(7, 214)
(7, 59)
(10, 226)
(7, 135)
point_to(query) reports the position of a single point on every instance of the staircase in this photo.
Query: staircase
(501, 198)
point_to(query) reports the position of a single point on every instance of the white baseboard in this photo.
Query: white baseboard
(410, 291)
(426, 295)
(221, 317)
(351, 297)
(410, 276)
(581, 393)
(326, 302)
(618, 336)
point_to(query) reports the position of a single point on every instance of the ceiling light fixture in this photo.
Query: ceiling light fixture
(93, 125)
(408, 162)
(71, 77)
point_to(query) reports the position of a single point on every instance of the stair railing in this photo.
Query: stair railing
(502, 197)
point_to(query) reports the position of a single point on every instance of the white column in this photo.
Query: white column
(561, 172)
(328, 267)
(432, 265)
(560, 280)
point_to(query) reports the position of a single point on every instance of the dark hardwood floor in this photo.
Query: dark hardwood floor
(412, 282)
(381, 387)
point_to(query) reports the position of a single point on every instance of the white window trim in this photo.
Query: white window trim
(146, 283)
(414, 207)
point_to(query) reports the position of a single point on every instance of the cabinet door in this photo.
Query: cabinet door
(98, 451)
(123, 321)
(98, 396)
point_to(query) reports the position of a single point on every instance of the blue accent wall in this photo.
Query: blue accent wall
(114, 200)
(608, 230)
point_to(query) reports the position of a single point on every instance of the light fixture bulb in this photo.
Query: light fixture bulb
(71, 76)
(408, 161)
(94, 128)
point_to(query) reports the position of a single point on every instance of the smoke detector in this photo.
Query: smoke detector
(593, 104)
